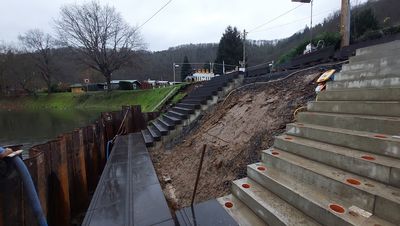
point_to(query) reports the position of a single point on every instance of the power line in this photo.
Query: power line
(293, 22)
(275, 18)
(154, 14)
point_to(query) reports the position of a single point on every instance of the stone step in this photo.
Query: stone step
(380, 168)
(373, 124)
(160, 127)
(327, 209)
(268, 206)
(372, 64)
(242, 214)
(387, 82)
(371, 94)
(374, 197)
(381, 48)
(167, 124)
(382, 108)
(148, 139)
(154, 132)
(376, 56)
(192, 100)
(379, 144)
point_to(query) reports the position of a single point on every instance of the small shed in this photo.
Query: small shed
(77, 88)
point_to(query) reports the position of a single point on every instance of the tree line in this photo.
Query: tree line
(86, 46)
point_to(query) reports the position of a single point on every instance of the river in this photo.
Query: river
(35, 127)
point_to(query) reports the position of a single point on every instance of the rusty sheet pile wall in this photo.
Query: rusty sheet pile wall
(65, 170)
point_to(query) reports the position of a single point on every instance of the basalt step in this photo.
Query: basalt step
(148, 139)
(268, 206)
(154, 133)
(371, 94)
(183, 110)
(367, 123)
(325, 208)
(380, 108)
(167, 124)
(372, 196)
(365, 83)
(177, 114)
(242, 214)
(376, 167)
(160, 127)
(190, 106)
(376, 144)
(172, 120)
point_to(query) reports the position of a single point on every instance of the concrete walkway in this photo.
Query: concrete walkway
(128, 192)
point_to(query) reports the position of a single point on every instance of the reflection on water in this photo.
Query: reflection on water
(35, 127)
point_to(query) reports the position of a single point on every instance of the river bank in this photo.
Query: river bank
(149, 100)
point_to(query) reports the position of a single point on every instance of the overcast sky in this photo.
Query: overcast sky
(181, 22)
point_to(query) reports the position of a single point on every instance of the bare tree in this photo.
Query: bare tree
(105, 41)
(40, 45)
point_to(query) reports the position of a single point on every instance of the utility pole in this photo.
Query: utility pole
(345, 23)
(173, 68)
(244, 49)
(311, 34)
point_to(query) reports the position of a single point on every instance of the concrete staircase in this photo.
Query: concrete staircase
(339, 164)
(170, 125)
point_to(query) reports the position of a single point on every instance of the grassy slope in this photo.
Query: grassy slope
(148, 99)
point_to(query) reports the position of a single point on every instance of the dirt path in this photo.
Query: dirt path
(235, 133)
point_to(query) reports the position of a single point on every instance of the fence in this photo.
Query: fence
(65, 170)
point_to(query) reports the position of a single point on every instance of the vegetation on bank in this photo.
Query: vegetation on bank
(148, 99)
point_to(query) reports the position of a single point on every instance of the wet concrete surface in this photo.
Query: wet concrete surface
(128, 192)
(209, 213)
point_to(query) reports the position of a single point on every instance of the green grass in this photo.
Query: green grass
(178, 97)
(148, 99)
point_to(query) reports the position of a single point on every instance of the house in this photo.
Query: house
(200, 75)
(116, 84)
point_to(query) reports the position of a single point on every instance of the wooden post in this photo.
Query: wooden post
(345, 23)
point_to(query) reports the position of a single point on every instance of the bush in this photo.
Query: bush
(125, 85)
(370, 35)
(329, 38)
(391, 30)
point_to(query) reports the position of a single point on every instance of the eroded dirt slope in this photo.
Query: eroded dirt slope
(235, 133)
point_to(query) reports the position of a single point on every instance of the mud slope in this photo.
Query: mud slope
(235, 133)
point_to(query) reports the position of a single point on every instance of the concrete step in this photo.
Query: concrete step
(160, 127)
(379, 144)
(373, 124)
(374, 64)
(242, 214)
(154, 132)
(172, 120)
(374, 197)
(268, 206)
(192, 100)
(383, 108)
(167, 124)
(381, 48)
(327, 209)
(380, 168)
(373, 73)
(387, 82)
(148, 139)
(376, 56)
(371, 94)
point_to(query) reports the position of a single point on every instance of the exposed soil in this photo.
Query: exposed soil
(235, 133)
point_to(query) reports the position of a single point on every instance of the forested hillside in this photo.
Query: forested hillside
(18, 72)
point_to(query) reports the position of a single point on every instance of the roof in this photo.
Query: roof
(117, 81)
(76, 85)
